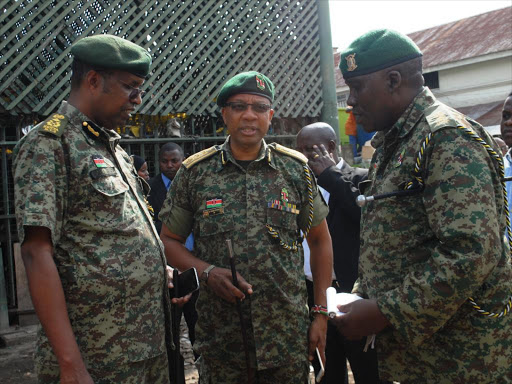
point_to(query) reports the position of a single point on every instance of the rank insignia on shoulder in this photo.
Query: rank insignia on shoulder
(55, 124)
(400, 158)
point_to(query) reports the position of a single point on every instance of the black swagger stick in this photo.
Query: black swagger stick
(250, 374)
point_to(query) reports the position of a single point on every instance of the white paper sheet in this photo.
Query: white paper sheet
(334, 299)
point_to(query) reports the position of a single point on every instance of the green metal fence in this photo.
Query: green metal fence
(196, 45)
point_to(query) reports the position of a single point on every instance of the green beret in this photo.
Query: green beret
(252, 82)
(376, 50)
(112, 52)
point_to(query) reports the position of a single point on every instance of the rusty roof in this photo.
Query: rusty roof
(474, 36)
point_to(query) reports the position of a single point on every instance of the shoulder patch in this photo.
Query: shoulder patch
(290, 152)
(439, 116)
(54, 125)
(199, 156)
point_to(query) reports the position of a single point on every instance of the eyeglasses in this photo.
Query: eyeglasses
(134, 92)
(238, 106)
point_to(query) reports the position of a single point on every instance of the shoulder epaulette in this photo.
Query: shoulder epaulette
(54, 125)
(290, 152)
(199, 156)
(439, 116)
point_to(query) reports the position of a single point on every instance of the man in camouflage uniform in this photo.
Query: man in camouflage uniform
(259, 196)
(424, 255)
(94, 262)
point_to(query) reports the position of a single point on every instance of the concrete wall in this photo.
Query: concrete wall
(477, 83)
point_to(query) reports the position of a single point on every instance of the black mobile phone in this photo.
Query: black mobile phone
(187, 282)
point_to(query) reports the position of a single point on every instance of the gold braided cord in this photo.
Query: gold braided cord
(496, 156)
(294, 246)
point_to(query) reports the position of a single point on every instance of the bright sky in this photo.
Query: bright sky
(352, 18)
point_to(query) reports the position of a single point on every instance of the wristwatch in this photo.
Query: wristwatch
(206, 274)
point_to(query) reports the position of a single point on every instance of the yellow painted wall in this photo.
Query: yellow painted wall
(342, 118)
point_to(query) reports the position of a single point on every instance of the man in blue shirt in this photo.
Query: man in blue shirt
(170, 159)
(506, 134)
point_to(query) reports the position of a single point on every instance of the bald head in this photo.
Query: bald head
(316, 134)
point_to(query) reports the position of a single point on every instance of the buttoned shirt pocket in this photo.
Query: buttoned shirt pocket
(108, 182)
(216, 224)
(282, 219)
(285, 223)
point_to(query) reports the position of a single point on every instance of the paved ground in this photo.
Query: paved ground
(17, 366)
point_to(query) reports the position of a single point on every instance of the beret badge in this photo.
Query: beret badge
(351, 62)
(260, 83)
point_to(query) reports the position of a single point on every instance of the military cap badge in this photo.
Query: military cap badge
(260, 83)
(351, 62)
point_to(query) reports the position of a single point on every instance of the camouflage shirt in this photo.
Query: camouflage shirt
(423, 256)
(109, 257)
(218, 199)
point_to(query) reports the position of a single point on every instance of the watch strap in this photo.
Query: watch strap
(206, 273)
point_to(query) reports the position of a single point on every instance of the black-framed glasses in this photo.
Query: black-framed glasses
(134, 92)
(239, 106)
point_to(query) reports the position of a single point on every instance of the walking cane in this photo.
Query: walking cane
(178, 374)
(250, 373)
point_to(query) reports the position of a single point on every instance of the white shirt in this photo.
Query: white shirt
(307, 266)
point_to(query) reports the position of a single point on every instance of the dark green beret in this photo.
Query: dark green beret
(251, 82)
(112, 52)
(376, 50)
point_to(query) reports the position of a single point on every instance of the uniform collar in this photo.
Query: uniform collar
(226, 156)
(77, 119)
(408, 120)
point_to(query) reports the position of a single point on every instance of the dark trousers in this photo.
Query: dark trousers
(338, 350)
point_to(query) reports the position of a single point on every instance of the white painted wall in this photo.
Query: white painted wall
(476, 83)
(480, 82)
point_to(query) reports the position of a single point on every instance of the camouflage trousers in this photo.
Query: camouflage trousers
(150, 371)
(223, 372)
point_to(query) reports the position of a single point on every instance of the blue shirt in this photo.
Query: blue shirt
(189, 243)
(167, 181)
(507, 162)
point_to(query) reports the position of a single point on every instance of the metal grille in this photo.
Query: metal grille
(195, 45)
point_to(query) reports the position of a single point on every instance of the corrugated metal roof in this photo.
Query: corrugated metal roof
(487, 114)
(479, 35)
(474, 36)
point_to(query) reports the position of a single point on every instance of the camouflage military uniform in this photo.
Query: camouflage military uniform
(82, 186)
(422, 256)
(277, 309)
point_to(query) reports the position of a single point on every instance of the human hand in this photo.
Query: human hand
(317, 336)
(220, 281)
(75, 375)
(180, 301)
(361, 318)
(320, 159)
